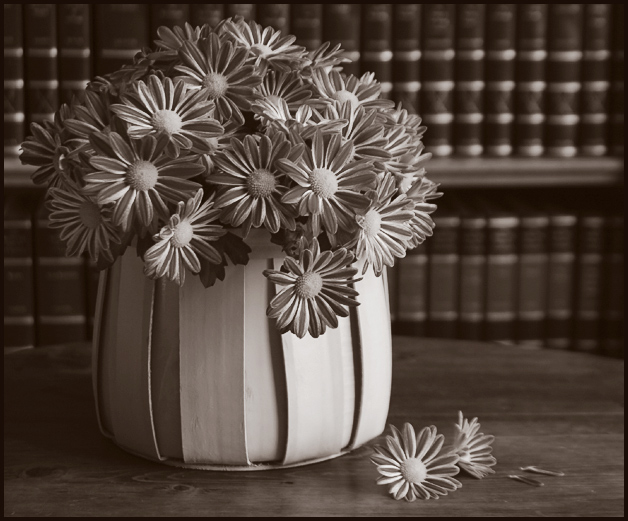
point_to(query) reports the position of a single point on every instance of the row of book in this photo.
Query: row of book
(48, 298)
(537, 275)
(542, 275)
(495, 79)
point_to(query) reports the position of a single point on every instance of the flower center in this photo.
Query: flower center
(344, 95)
(182, 234)
(212, 142)
(89, 213)
(414, 471)
(167, 121)
(371, 223)
(142, 175)
(465, 456)
(274, 99)
(261, 183)
(324, 182)
(308, 285)
(216, 84)
(262, 50)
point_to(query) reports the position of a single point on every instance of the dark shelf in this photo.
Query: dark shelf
(462, 172)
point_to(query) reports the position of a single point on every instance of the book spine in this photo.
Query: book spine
(564, 61)
(341, 25)
(92, 277)
(306, 24)
(595, 80)
(444, 263)
(169, 15)
(501, 275)
(13, 80)
(75, 53)
(246, 11)
(40, 42)
(613, 292)
(437, 70)
(500, 76)
(59, 288)
(532, 280)
(472, 276)
(406, 45)
(276, 16)
(560, 287)
(617, 83)
(19, 307)
(469, 76)
(588, 283)
(211, 14)
(412, 293)
(120, 31)
(530, 82)
(376, 54)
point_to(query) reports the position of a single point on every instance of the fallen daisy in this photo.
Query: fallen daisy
(473, 448)
(413, 466)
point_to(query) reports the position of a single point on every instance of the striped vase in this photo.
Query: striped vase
(200, 378)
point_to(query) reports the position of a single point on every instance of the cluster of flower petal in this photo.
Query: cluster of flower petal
(417, 466)
(275, 136)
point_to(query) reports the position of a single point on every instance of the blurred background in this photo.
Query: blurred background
(524, 112)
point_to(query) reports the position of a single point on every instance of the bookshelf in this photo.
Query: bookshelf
(469, 172)
(488, 81)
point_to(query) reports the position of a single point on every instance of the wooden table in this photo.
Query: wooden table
(556, 410)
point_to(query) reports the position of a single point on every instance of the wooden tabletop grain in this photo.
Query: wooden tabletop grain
(557, 410)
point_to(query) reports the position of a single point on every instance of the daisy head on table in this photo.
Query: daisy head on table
(413, 465)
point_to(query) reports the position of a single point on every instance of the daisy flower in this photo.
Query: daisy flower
(85, 225)
(185, 238)
(91, 115)
(473, 448)
(412, 465)
(266, 44)
(163, 107)
(218, 66)
(384, 228)
(49, 148)
(421, 224)
(335, 86)
(317, 293)
(248, 170)
(305, 122)
(325, 57)
(399, 146)
(138, 177)
(281, 86)
(171, 39)
(400, 116)
(364, 128)
(328, 181)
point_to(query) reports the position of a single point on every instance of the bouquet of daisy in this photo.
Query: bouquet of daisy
(222, 130)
